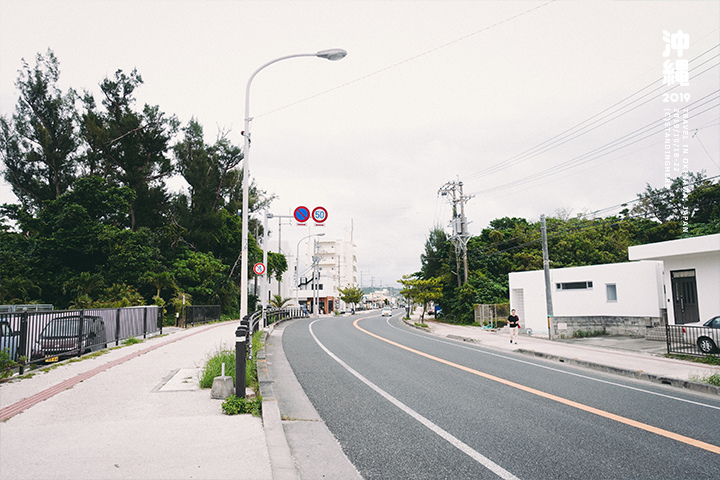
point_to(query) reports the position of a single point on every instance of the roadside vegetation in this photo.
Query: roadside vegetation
(689, 206)
(213, 368)
(95, 224)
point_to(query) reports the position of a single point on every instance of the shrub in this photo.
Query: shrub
(6, 364)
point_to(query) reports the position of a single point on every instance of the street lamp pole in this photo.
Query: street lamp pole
(297, 263)
(333, 54)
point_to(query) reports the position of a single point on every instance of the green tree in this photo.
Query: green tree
(352, 294)
(39, 146)
(421, 290)
(130, 147)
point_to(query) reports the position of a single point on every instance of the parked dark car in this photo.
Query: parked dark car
(61, 337)
(705, 335)
(9, 339)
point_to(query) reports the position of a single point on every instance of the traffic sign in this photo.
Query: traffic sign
(259, 268)
(319, 214)
(301, 214)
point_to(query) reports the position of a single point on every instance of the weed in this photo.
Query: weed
(422, 325)
(713, 379)
(585, 334)
(213, 366)
(131, 341)
(709, 359)
(235, 406)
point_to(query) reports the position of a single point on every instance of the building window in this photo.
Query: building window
(611, 290)
(574, 286)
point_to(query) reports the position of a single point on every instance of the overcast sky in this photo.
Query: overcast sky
(430, 92)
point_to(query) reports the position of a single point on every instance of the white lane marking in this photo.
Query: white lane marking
(476, 349)
(457, 443)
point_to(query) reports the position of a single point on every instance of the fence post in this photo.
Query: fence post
(667, 337)
(240, 342)
(80, 332)
(117, 327)
(23, 342)
(145, 322)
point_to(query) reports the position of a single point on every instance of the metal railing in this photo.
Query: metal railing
(43, 337)
(202, 314)
(692, 340)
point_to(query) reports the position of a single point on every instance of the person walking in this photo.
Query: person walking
(514, 324)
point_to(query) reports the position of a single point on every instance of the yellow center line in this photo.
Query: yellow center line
(627, 421)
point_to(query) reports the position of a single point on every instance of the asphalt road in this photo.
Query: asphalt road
(407, 405)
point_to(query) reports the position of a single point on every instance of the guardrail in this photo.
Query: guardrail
(692, 340)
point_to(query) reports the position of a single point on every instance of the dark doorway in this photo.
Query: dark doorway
(684, 290)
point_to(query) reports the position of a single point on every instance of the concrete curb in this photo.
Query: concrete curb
(282, 465)
(638, 374)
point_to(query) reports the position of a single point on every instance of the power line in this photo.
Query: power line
(576, 131)
(409, 59)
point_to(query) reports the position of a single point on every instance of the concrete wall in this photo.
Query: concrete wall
(565, 327)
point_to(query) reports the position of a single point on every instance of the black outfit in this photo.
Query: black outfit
(513, 321)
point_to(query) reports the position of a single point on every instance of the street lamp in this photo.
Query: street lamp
(297, 262)
(332, 54)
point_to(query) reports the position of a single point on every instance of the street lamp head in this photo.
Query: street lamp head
(320, 234)
(332, 54)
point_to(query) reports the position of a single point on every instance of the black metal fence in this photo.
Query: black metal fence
(692, 340)
(43, 337)
(202, 314)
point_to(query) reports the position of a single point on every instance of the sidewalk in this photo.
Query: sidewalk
(136, 412)
(633, 357)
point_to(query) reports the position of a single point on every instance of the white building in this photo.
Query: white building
(676, 282)
(691, 276)
(621, 298)
(336, 267)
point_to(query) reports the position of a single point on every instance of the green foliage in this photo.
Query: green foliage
(278, 301)
(131, 341)
(421, 290)
(352, 294)
(6, 364)
(587, 334)
(213, 366)
(39, 145)
(237, 406)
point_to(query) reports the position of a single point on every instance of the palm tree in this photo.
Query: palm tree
(278, 302)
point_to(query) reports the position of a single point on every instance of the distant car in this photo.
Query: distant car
(9, 339)
(705, 335)
(387, 312)
(60, 337)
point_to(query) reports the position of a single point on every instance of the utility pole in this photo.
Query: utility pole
(460, 236)
(546, 268)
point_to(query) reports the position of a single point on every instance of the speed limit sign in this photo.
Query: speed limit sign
(259, 268)
(319, 214)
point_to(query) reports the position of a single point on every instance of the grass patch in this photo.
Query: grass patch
(586, 334)
(713, 379)
(131, 341)
(213, 366)
(707, 359)
(421, 325)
